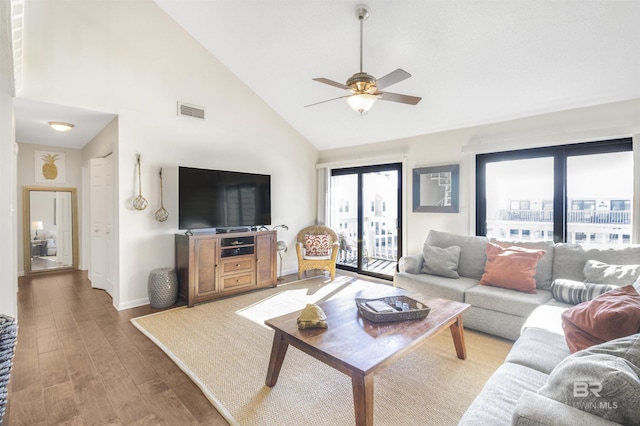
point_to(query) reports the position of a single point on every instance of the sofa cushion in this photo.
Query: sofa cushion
(539, 349)
(493, 322)
(575, 292)
(609, 316)
(511, 267)
(441, 261)
(497, 401)
(548, 317)
(602, 273)
(472, 251)
(603, 380)
(544, 269)
(505, 300)
(435, 286)
(569, 259)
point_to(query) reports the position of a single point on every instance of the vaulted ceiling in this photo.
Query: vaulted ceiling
(472, 62)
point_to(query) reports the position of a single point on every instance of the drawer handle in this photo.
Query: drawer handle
(237, 265)
(238, 280)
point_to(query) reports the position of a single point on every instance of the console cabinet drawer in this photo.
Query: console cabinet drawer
(237, 281)
(237, 264)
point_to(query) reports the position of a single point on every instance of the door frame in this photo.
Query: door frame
(360, 171)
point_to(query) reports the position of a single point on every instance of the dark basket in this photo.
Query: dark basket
(417, 310)
(8, 335)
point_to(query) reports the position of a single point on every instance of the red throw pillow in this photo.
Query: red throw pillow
(317, 245)
(511, 267)
(609, 316)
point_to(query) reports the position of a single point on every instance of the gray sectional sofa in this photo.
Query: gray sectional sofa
(494, 310)
(540, 382)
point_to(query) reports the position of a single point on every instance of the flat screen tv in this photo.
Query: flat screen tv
(222, 199)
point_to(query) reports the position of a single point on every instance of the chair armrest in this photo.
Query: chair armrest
(535, 409)
(335, 248)
(411, 263)
(299, 250)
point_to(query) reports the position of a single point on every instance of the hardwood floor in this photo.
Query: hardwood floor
(79, 361)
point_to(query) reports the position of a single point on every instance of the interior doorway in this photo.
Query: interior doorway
(366, 212)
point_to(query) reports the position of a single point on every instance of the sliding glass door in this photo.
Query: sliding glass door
(366, 213)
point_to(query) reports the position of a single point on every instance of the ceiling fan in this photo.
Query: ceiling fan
(364, 88)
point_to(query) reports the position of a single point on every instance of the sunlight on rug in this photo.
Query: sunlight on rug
(292, 298)
(224, 348)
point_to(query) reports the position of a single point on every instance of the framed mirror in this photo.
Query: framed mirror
(50, 229)
(435, 189)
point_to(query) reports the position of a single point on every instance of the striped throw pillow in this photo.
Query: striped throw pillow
(575, 292)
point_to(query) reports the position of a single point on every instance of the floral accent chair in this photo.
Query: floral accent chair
(317, 248)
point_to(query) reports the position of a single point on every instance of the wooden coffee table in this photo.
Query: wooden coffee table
(358, 347)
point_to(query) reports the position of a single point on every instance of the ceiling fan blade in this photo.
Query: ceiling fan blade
(392, 78)
(395, 97)
(332, 83)
(328, 100)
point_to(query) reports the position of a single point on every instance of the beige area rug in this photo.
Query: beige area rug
(224, 347)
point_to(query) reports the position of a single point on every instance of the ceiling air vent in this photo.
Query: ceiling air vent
(190, 110)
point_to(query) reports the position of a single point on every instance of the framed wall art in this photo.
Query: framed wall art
(435, 189)
(50, 167)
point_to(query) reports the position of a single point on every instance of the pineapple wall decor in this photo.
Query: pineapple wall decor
(50, 167)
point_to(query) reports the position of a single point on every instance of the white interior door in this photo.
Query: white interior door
(64, 243)
(98, 226)
(108, 220)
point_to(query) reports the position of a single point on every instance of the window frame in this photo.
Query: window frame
(559, 153)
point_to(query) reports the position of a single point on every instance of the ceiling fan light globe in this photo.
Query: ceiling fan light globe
(361, 102)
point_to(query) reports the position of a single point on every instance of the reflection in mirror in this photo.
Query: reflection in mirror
(50, 228)
(435, 189)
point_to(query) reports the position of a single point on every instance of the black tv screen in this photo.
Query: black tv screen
(222, 199)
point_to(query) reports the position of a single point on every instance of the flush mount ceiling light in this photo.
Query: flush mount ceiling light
(364, 89)
(61, 126)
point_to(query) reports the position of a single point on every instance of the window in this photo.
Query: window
(573, 193)
(583, 205)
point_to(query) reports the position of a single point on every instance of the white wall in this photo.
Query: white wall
(130, 59)
(8, 148)
(460, 146)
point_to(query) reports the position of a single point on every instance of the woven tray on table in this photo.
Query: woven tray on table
(417, 310)
(8, 335)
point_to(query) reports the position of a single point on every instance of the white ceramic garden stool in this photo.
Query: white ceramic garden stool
(163, 287)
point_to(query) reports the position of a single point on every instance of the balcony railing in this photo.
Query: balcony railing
(622, 217)
(380, 241)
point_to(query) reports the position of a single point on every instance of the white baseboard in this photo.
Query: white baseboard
(130, 304)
